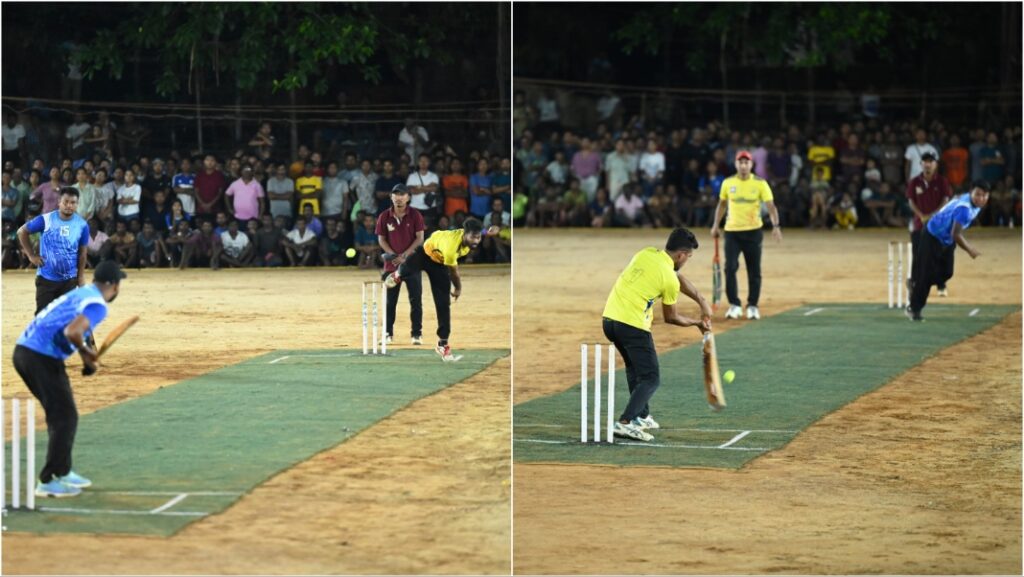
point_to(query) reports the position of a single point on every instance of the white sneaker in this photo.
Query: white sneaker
(631, 431)
(943, 292)
(646, 422)
(417, 340)
(734, 312)
(388, 339)
(753, 314)
(446, 354)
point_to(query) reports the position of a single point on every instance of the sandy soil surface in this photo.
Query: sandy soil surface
(416, 493)
(920, 476)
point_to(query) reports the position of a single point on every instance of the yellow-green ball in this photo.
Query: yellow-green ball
(729, 376)
(350, 252)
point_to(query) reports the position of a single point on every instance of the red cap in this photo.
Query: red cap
(744, 154)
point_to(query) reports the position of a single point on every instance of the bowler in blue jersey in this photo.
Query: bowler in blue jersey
(943, 232)
(63, 242)
(56, 333)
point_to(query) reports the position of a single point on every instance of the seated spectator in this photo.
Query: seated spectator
(99, 247)
(299, 244)
(660, 208)
(151, 248)
(158, 211)
(236, 250)
(883, 200)
(630, 208)
(549, 205)
(844, 212)
(124, 246)
(12, 255)
(497, 212)
(269, 247)
(456, 189)
(497, 248)
(710, 185)
(220, 223)
(202, 247)
(501, 181)
(176, 241)
(366, 242)
(313, 223)
(176, 215)
(11, 196)
(520, 208)
(818, 211)
(574, 206)
(332, 245)
(602, 211)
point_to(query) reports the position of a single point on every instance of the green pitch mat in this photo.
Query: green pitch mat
(189, 450)
(792, 369)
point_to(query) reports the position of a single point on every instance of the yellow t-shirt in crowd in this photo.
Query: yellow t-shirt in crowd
(650, 275)
(445, 247)
(307, 186)
(821, 157)
(745, 198)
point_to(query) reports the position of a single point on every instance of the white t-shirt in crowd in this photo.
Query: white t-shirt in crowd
(76, 133)
(133, 191)
(914, 153)
(297, 238)
(12, 136)
(409, 143)
(418, 201)
(234, 246)
(651, 163)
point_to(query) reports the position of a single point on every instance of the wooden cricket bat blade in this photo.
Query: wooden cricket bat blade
(712, 380)
(116, 334)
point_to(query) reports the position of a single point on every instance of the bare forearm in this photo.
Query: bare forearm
(690, 290)
(453, 274)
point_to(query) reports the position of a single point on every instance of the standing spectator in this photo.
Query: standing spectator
(675, 161)
(386, 183)
(501, 181)
(852, 159)
(744, 194)
(14, 139)
(586, 166)
(954, 162)
(557, 171)
(106, 192)
(892, 161)
(184, 186)
(310, 189)
(23, 188)
(977, 143)
(760, 155)
(617, 170)
(710, 185)
(236, 247)
(75, 136)
(779, 164)
(413, 139)
(210, 186)
(128, 198)
(299, 244)
(993, 161)
(915, 151)
(49, 192)
(336, 191)
(268, 240)
(423, 186)
(400, 231)
(652, 168)
(157, 211)
(480, 190)
(362, 188)
(548, 115)
(262, 142)
(158, 179)
(299, 164)
(10, 198)
(281, 191)
(86, 194)
(456, 189)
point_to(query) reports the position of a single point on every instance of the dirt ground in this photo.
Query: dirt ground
(415, 493)
(920, 476)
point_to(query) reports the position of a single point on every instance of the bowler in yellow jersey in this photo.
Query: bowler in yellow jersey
(743, 194)
(651, 274)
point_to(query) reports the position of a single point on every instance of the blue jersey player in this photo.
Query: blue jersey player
(55, 334)
(62, 249)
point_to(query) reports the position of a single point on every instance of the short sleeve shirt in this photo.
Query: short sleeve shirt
(961, 210)
(445, 247)
(59, 244)
(399, 233)
(45, 334)
(745, 198)
(650, 275)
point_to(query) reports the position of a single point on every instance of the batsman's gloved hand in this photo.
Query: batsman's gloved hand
(87, 370)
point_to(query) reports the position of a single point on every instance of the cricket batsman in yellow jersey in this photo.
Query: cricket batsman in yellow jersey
(743, 193)
(438, 257)
(652, 274)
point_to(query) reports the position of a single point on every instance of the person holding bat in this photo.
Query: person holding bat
(651, 274)
(55, 334)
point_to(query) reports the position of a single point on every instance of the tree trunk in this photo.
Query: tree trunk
(723, 67)
(199, 114)
(292, 119)
(500, 68)
(810, 94)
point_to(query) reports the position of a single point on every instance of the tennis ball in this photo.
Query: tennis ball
(350, 252)
(729, 376)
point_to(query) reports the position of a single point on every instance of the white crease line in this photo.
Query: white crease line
(974, 312)
(277, 360)
(812, 311)
(657, 445)
(543, 426)
(734, 439)
(169, 504)
(158, 493)
(122, 512)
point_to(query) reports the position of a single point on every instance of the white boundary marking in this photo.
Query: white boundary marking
(159, 493)
(680, 429)
(403, 353)
(279, 359)
(656, 445)
(813, 311)
(169, 504)
(973, 312)
(734, 439)
(122, 512)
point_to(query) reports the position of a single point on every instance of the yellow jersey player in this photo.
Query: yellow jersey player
(438, 257)
(744, 193)
(652, 274)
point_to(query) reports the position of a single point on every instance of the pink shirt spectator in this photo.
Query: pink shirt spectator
(246, 198)
(96, 242)
(586, 164)
(50, 195)
(630, 207)
(760, 157)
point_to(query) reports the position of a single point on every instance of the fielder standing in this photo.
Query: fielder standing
(651, 274)
(63, 246)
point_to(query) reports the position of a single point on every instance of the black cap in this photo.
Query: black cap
(399, 189)
(108, 271)
(929, 156)
(982, 184)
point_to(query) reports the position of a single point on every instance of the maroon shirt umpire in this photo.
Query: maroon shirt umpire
(400, 232)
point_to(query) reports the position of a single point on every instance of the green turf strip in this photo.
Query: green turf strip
(217, 436)
(792, 369)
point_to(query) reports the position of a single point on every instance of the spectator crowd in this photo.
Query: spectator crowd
(623, 171)
(260, 206)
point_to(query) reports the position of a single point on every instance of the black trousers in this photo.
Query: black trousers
(643, 376)
(747, 242)
(48, 380)
(48, 291)
(933, 265)
(440, 287)
(915, 238)
(414, 288)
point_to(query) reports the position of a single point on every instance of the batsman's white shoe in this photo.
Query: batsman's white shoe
(446, 354)
(647, 422)
(631, 431)
(943, 292)
(753, 314)
(734, 312)
(417, 340)
(388, 339)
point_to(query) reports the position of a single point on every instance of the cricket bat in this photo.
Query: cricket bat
(111, 339)
(716, 278)
(712, 380)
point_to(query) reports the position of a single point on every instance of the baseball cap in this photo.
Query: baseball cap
(399, 189)
(929, 156)
(744, 154)
(108, 271)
